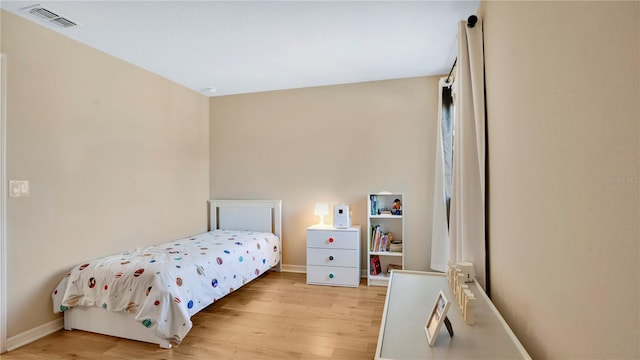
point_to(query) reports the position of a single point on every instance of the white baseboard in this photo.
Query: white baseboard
(303, 269)
(34, 334)
(294, 268)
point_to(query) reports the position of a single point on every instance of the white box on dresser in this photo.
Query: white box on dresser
(333, 256)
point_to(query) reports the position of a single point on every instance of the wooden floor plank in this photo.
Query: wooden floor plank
(277, 316)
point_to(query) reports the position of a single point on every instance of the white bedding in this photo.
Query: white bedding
(164, 285)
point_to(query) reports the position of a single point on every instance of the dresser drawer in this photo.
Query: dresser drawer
(333, 257)
(333, 239)
(331, 275)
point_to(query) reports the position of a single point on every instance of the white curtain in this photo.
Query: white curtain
(440, 229)
(467, 225)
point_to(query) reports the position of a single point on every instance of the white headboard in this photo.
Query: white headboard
(253, 215)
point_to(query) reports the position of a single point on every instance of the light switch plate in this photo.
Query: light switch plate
(18, 188)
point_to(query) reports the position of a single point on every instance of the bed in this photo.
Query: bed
(149, 294)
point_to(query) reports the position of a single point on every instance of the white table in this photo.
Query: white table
(411, 295)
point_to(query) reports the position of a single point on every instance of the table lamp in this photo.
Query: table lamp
(321, 210)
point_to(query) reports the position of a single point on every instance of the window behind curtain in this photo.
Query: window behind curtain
(447, 142)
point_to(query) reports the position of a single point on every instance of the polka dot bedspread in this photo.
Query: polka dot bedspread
(164, 285)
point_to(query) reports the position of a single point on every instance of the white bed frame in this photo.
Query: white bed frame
(253, 215)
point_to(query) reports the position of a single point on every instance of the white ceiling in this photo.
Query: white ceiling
(250, 46)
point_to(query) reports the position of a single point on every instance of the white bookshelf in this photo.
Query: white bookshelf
(378, 203)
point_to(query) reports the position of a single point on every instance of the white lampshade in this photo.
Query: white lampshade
(321, 210)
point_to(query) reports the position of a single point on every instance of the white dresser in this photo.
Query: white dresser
(333, 256)
(410, 296)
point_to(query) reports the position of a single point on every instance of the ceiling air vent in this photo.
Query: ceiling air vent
(63, 22)
(46, 14)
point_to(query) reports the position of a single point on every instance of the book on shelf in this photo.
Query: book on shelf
(376, 267)
(395, 245)
(374, 204)
(374, 237)
(393, 267)
(384, 239)
(379, 241)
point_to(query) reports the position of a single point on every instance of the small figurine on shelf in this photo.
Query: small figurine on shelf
(396, 209)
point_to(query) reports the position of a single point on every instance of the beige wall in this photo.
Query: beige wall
(330, 144)
(116, 157)
(563, 115)
(119, 157)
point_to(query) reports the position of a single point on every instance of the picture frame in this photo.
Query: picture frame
(437, 316)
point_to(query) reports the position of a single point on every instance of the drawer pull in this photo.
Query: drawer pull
(331, 240)
(331, 258)
(331, 276)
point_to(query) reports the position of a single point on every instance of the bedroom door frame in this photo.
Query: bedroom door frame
(3, 204)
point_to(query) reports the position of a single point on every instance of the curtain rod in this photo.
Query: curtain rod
(471, 22)
(452, 67)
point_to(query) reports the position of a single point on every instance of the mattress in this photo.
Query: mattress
(164, 285)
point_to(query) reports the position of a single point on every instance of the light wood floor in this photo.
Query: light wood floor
(277, 316)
